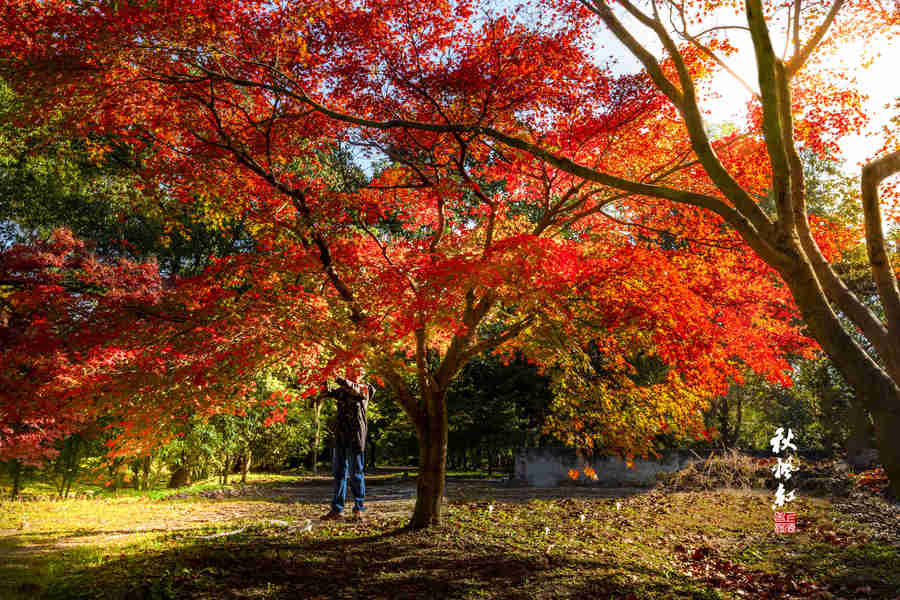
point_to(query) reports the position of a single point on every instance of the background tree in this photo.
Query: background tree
(495, 409)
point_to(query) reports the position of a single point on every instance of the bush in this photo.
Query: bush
(735, 470)
(731, 469)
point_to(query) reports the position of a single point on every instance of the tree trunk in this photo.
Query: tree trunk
(248, 456)
(859, 442)
(226, 464)
(875, 388)
(181, 476)
(146, 464)
(15, 467)
(431, 428)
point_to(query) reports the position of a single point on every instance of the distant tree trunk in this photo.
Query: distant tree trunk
(181, 476)
(829, 406)
(248, 456)
(115, 473)
(317, 408)
(860, 453)
(146, 464)
(431, 427)
(15, 468)
(371, 457)
(729, 429)
(226, 466)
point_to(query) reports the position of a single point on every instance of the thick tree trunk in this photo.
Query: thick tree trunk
(432, 432)
(877, 390)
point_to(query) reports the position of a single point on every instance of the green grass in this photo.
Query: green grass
(717, 544)
(40, 488)
(43, 489)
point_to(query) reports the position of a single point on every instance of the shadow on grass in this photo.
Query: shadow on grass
(865, 570)
(396, 564)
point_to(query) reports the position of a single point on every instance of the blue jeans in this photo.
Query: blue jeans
(348, 459)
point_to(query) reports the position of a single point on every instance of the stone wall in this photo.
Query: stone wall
(547, 467)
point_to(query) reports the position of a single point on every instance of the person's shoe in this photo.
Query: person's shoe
(332, 515)
(359, 514)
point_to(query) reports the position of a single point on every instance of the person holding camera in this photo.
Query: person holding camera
(349, 430)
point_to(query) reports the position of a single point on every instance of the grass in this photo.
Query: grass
(707, 544)
(41, 489)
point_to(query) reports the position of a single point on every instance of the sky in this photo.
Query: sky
(880, 81)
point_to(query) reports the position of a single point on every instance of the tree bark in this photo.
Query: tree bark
(431, 428)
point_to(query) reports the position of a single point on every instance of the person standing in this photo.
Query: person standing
(350, 429)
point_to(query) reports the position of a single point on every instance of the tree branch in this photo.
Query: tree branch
(800, 58)
(882, 270)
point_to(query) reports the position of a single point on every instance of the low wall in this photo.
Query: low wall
(547, 467)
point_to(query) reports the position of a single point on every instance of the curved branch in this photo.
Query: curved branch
(882, 270)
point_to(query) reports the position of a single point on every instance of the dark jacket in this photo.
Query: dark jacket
(350, 427)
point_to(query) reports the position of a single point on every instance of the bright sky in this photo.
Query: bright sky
(879, 81)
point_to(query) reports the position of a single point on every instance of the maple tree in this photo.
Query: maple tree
(59, 304)
(508, 206)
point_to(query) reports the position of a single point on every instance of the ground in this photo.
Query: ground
(497, 541)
